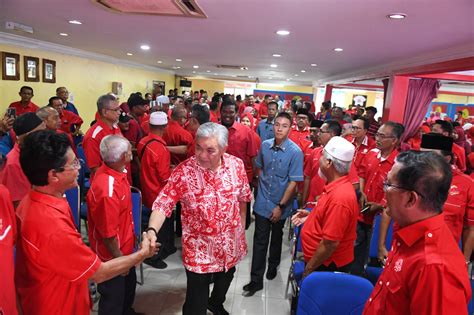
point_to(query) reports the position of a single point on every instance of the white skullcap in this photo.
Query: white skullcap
(340, 148)
(163, 99)
(158, 119)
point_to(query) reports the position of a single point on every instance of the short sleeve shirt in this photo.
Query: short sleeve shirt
(51, 259)
(109, 214)
(20, 109)
(13, 177)
(334, 218)
(213, 234)
(279, 165)
(176, 135)
(69, 119)
(265, 129)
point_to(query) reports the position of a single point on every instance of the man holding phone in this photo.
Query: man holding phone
(25, 105)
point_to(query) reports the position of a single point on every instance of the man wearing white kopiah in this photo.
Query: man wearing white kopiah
(213, 189)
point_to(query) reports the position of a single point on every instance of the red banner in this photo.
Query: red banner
(467, 111)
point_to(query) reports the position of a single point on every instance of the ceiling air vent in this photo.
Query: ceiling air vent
(231, 67)
(183, 8)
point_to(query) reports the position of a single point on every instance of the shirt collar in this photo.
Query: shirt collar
(329, 187)
(270, 122)
(104, 125)
(282, 146)
(58, 203)
(412, 233)
(113, 172)
(390, 158)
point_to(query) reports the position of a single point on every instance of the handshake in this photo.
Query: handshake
(149, 246)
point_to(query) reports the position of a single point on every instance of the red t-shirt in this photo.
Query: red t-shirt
(13, 177)
(52, 262)
(459, 157)
(155, 169)
(68, 119)
(263, 110)
(242, 144)
(7, 244)
(20, 109)
(176, 135)
(92, 139)
(301, 138)
(425, 273)
(374, 171)
(334, 219)
(134, 132)
(213, 116)
(109, 204)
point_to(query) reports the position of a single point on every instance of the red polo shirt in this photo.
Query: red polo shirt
(155, 169)
(13, 177)
(374, 170)
(301, 138)
(68, 119)
(7, 244)
(134, 132)
(213, 116)
(52, 262)
(334, 219)
(425, 273)
(459, 157)
(92, 139)
(176, 135)
(263, 110)
(311, 170)
(361, 151)
(20, 109)
(242, 144)
(109, 203)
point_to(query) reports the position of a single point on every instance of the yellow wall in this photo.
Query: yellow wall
(455, 99)
(286, 88)
(85, 79)
(210, 86)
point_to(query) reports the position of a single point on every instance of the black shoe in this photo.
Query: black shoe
(271, 273)
(155, 263)
(251, 288)
(217, 310)
(133, 312)
(167, 253)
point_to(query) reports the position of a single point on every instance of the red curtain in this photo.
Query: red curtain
(420, 94)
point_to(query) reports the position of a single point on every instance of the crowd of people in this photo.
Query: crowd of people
(199, 162)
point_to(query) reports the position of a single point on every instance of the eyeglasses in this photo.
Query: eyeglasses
(75, 165)
(356, 128)
(118, 109)
(382, 136)
(387, 185)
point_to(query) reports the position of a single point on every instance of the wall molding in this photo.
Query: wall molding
(30, 43)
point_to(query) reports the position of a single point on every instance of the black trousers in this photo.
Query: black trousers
(361, 249)
(197, 290)
(166, 238)
(117, 294)
(333, 267)
(179, 228)
(261, 238)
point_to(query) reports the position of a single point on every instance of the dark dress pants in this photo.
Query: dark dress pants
(361, 249)
(263, 228)
(117, 294)
(197, 290)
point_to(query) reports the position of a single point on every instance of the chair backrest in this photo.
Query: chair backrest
(137, 212)
(333, 293)
(374, 242)
(73, 197)
(82, 156)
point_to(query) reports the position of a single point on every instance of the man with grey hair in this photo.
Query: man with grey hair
(329, 232)
(51, 119)
(109, 214)
(213, 189)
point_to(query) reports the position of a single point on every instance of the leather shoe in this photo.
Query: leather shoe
(271, 273)
(217, 310)
(155, 263)
(251, 288)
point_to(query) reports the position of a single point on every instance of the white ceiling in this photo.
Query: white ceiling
(243, 33)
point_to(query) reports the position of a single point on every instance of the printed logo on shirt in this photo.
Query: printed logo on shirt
(454, 190)
(398, 265)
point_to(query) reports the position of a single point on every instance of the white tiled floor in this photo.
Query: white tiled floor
(164, 290)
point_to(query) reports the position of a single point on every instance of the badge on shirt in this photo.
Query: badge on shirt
(454, 190)
(398, 265)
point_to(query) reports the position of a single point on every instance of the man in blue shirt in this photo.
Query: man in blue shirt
(280, 164)
(265, 127)
(63, 94)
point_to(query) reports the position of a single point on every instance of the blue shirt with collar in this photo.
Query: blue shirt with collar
(70, 107)
(265, 129)
(279, 165)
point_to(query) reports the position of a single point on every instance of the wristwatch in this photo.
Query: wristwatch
(151, 229)
(281, 205)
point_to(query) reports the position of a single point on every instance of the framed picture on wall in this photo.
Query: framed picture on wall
(10, 66)
(31, 68)
(49, 71)
(359, 99)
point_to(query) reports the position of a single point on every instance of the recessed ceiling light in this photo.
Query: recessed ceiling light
(176, 67)
(303, 71)
(64, 34)
(145, 47)
(397, 16)
(179, 60)
(338, 49)
(283, 32)
(244, 68)
(276, 55)
(196, 67)
(313, 65)
(274, 65)
(215, 73)
(129, 54)
(250, 76)
(194, 71)
(75, 22)
(296, 75)
(208, 71)
(159, 61)
(287, 79)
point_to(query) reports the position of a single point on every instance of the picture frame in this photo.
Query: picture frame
(31, 68)
(49, 71)
(10, 66)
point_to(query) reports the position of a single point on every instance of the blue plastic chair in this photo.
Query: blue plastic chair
(73, 197)
(137, 223)
(374, 269)
(333, 293)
